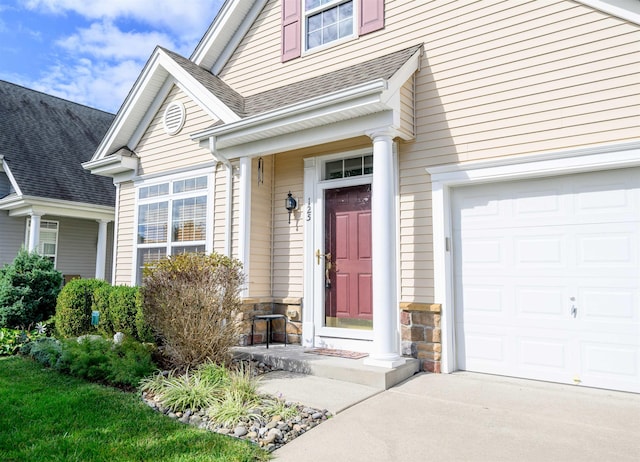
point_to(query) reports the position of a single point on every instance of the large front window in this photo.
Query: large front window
(172, 219)
(327, 21)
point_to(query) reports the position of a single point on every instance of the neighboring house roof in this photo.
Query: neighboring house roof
(44, 140)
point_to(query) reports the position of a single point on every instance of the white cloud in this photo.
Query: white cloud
(172, 14)
(95, 84)
(106, 41)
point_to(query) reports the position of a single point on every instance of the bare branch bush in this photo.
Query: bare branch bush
(191, 301)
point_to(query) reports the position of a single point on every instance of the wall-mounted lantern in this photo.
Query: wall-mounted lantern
(290, 204)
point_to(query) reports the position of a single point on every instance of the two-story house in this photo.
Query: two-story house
(457, 181)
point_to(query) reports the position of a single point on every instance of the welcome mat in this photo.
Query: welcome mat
(338, 353)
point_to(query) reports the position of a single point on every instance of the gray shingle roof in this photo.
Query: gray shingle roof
(44, 140)
(379, 68)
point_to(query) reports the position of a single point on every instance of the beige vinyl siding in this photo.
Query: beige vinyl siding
(406, 108)
(12, 236)
(287, 238)
(261, 228)
(497, 79)
(125, 236)
(160, 152)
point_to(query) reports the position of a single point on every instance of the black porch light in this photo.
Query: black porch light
(290, 204)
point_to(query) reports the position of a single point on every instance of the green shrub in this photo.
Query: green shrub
(101, 296)
(190, 301)
(46, 351)
(28, 290)
(120, 310)
(75, 303)
(97, 359)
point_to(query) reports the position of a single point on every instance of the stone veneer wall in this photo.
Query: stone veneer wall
(421, 334)
(290, 307)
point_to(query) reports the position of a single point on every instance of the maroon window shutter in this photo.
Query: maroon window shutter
(371, 16)
(290, 29)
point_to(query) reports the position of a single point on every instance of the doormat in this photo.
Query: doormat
(338, 353)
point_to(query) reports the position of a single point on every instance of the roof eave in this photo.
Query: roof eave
(342, 105)
(22, 206)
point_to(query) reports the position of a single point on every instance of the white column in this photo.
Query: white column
(34, 233)
(101, 250)
(386, 340)
(245, 218)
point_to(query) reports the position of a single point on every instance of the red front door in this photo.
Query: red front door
(348, 290)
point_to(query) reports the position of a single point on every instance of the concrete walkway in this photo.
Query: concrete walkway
(474, 417)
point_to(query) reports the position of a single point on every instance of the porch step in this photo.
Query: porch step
(293, 358)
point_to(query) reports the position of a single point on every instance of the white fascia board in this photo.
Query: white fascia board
(601, 157)
(221, 58)
(128, 118)
(151, 112)
(231, 21)
(112, 165)
(207, 100)
(625, 9)
(133, 114)
(12, 180)
(368, 93)
(310, 137)
(21, 206)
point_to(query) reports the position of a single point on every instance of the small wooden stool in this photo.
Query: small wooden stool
(269, 318)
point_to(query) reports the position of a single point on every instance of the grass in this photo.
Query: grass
(47, 416)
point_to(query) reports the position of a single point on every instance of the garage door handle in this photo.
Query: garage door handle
(574, 311)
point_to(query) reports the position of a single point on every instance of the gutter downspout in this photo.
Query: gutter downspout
(229, 198)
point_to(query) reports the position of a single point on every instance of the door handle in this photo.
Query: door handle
(574, 308)
(319, 255)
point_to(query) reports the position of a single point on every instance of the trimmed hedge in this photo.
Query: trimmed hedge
(120, 310)
(75, 303)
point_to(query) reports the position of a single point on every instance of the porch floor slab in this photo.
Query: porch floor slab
(294, 358)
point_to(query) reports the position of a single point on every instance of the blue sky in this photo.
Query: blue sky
(91, 51)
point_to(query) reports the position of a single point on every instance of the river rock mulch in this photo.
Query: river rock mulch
(269, 433)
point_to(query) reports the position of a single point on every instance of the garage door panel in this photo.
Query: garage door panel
(609, 305)
(526, 254)
(543, 353)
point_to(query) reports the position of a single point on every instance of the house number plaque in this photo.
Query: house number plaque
(308, 209)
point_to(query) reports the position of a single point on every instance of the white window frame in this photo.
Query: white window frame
(170, 198)
(40, 249)
(327, 6)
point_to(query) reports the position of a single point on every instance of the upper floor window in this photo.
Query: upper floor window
(327, 21)
(309, 24)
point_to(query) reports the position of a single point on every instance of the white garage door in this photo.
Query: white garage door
(547, 278)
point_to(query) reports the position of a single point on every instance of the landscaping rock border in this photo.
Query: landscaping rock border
(269, 433)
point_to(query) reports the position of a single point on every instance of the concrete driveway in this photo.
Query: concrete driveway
(475, 417)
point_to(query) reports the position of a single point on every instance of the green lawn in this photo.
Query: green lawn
(46, 416)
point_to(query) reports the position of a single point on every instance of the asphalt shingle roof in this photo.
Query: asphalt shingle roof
(382, 67)
(44, 140)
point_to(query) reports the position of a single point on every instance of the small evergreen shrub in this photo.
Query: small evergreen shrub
(97, 359)
(120, 310)
(46, 351)
(28, 290)
(75, 303)
(190, 302)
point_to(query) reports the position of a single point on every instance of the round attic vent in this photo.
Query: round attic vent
(173, 118)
